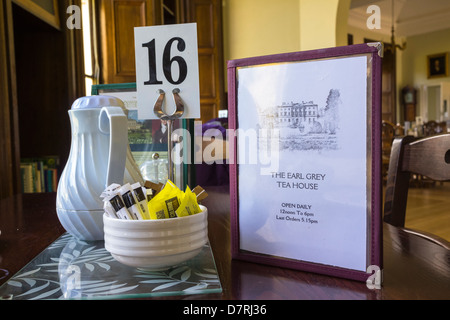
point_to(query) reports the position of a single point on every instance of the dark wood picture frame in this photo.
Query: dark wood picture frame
(437, 65)
(373, 188)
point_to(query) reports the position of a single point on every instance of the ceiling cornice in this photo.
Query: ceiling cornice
(420, 23)
(357, 18)
(423, 24)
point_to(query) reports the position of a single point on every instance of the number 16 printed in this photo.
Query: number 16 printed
(167, 58)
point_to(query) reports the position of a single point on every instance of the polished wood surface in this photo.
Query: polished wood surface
(414, 268)
(434, 200)
(208, 16)
(116, 23)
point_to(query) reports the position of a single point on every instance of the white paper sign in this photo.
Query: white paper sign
(167, 58)
(310, 204)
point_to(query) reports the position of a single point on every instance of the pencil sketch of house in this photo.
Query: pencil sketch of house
(305, 125)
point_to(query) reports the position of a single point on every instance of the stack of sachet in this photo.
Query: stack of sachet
(151, 201)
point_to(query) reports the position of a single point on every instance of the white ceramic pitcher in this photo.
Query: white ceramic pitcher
(98, 157)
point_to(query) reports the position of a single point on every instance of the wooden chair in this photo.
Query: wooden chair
(443, 126)
(429, 156)
(399, 130)
(387, 136)
(432, 127)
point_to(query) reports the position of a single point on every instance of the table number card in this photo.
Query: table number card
(167, 58)
(305, 183)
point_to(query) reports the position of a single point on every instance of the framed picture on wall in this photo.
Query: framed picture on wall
(437, 65)
(305, 179)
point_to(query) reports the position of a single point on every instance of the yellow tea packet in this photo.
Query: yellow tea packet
(188, 205)
(166, 202)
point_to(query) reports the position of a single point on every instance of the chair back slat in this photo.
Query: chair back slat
(429, 157)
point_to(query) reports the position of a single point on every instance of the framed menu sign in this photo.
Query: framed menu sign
(305, 158)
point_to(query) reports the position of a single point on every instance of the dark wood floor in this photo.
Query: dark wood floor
(428, 209)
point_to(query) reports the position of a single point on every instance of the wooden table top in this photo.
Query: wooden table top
(414, 268)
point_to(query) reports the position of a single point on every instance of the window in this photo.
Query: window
(89, 68)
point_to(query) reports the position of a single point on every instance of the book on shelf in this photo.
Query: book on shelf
(39, 174)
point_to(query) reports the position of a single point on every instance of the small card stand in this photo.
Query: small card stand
(157, 109)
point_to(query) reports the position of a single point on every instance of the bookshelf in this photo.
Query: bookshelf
(43, 75)
(39, 174)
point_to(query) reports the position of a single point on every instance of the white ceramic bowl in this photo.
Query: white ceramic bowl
(156, 244)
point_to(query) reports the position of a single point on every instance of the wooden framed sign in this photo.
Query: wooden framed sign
(305, 177)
